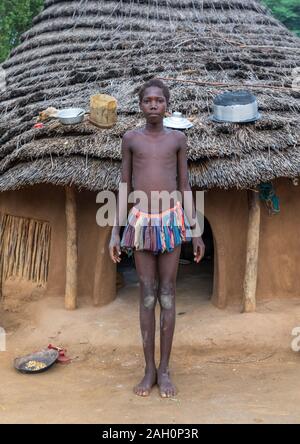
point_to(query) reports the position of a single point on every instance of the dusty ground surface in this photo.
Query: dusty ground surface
(229, 367)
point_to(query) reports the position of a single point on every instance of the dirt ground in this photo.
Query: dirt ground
(229, 367)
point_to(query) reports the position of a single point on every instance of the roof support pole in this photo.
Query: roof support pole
(71, 252)
(250, 279)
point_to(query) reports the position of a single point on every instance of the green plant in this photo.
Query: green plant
(15, 17)
(287, 11)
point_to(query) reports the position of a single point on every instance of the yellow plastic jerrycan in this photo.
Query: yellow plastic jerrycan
(103, 110)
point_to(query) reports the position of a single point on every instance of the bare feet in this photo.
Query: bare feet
(166, 387)
(146, 384)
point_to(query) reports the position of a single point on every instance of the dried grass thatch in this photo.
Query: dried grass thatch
(79, 48)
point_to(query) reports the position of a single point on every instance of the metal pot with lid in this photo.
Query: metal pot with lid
(236, 107)
(177, 121)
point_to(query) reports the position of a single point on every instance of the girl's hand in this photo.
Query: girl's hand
(199, 248)
(115, 248)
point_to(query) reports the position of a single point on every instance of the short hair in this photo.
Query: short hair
(159, 84)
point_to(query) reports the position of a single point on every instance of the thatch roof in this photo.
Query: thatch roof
(76, 49)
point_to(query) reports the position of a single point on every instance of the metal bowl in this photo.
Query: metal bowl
(71, 116)
(177, 121)
(45, 359)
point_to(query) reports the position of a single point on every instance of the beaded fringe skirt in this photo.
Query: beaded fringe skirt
(155, 232)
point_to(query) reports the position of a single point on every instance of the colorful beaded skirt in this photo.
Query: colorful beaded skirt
(155, 232)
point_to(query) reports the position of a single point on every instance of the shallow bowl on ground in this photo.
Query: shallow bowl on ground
(36, 362)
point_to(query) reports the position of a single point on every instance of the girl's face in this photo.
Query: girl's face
(153, 104)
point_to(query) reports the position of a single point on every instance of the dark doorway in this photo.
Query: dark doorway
(197, 279)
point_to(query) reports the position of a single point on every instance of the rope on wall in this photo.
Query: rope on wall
(267, 194)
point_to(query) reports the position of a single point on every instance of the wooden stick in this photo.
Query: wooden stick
(9, 259)
(4, 248)
(227, 85)
(71, 253)
(24, 246)
(3, 223)
(34, 251)
(19, 247)
(29, 247)
(48, 254)
(39, 253)
(250, 279)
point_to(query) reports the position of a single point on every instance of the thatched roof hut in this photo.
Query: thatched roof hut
(77, 49)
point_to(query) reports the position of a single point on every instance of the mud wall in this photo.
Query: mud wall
(227, 213)
(279, 258)
(279, 248)
(47, 202)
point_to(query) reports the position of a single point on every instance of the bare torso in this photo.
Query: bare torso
(154, 166)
